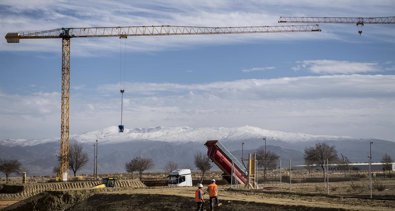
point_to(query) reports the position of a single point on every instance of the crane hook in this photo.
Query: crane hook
(359, 25)
(121, 127)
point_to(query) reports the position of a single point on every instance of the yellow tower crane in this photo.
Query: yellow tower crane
(66, 34)
(359, 21)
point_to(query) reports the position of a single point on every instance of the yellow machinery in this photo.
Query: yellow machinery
(106, 183)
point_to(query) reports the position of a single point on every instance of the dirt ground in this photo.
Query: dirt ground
(6, 203)
(258, 200)
(164, 198)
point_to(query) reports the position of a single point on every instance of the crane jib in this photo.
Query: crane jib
(164, 30)
(352, 20)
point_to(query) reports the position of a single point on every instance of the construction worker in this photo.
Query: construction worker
(212, 190)
(199, 198)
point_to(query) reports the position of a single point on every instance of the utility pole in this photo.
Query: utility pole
(265, 162)
(370, 169)
(290, 174)
(97, 150)
(327, 175)
(94, 160)
(242, 154)
(280, 172)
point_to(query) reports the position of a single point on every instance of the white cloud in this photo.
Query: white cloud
(300, 87)
(43, 15)
(359, 106)
(35, 105)
(336, 67)
(257, 69)
(351, 105)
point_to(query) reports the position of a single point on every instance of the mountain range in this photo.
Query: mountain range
(180, 144)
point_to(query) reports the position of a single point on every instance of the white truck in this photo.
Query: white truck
(180, 177)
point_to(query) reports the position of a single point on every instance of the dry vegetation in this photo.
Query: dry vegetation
(353, 194)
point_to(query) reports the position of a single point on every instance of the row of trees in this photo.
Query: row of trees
(202, 163)
(315, 155)
(322, 153)
(139, 164)
(77, 159)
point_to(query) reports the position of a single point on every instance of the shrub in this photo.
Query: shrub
(378, 186)
(285, 178)
(355, 187)
(319, 188)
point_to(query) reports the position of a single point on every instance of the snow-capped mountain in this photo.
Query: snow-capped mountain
(180, 144)
(181, 134)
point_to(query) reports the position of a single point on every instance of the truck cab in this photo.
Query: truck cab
(180, 177)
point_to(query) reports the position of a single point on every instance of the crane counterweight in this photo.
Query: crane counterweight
(12, 37)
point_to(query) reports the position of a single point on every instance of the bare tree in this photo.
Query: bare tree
(202, 162)
(266, 160)
(9, 166)
(319, 154)
(344, 164)
(131, 166)
(139, 164)
(171, 166)
(387, 162)
(77, 158)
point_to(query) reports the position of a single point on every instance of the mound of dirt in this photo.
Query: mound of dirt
(154, 202)
(51, 200)
(89, 200)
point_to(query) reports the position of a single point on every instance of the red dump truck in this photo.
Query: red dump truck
(227, 162)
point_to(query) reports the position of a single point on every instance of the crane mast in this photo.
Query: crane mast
(359, 21)
(65, 110)
(164, 30)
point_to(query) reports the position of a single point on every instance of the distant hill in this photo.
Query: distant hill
(180, 144)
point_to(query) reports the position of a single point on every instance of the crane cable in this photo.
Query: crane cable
(121, 89)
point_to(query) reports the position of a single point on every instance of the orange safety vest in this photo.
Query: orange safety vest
(212, 190)
(199, 195)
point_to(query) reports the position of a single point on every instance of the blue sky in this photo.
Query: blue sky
(330, 83)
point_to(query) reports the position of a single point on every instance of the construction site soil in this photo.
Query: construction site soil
(170, 199)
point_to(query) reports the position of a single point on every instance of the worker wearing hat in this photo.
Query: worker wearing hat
(199, 198)
(212, 190)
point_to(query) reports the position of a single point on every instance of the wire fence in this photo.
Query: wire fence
(325, 181)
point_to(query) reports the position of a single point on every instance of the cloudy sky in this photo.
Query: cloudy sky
(333, 82)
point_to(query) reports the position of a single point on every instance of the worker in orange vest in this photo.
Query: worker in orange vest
(212, 190)
(199, 198)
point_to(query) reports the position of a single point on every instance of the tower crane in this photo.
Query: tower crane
(66, 34)
(359, 21)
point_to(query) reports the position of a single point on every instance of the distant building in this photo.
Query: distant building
(354, 166)
(374, 166)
